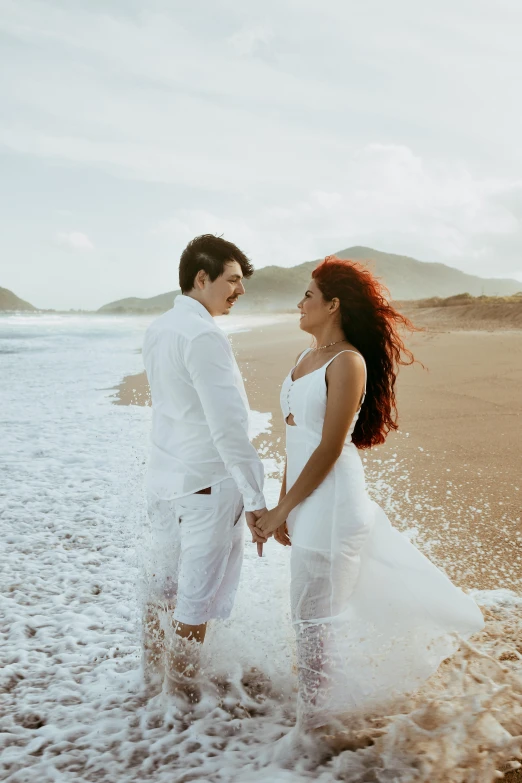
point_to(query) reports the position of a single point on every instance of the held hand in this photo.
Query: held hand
(270, 521)
(258, 537)
(281, 535)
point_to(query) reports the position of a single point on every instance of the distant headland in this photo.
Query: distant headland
(278, 289)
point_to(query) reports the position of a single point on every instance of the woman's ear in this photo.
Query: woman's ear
(334, 305)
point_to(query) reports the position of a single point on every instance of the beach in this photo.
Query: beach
(72, 525)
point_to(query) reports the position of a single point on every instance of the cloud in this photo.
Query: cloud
(293, 128)
(251, 41)
(162, 96)
(393, 200)
(74, 240)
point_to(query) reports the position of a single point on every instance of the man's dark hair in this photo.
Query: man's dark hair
(209, 253)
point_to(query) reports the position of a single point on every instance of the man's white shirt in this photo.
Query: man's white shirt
(199, 408)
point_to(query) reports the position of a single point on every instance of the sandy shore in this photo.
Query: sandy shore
(452, 472)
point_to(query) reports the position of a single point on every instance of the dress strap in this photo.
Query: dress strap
(349, 350)
(306, 350)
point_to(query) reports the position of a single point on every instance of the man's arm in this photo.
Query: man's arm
(210, 364)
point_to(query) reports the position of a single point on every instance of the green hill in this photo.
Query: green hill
(280, 288)
(9, 301)
(156, 304)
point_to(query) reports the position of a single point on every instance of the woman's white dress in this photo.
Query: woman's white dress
(373, 616)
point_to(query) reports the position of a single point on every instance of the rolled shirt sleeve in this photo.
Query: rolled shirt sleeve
(210, 363)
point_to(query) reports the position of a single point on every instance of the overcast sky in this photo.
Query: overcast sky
(293, 128)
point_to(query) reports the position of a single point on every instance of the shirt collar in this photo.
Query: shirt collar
(188, 302)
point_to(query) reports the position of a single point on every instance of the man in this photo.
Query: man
(203, 469)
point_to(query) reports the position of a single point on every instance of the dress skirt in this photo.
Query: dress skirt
(373, 616)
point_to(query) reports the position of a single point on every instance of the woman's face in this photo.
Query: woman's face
(315, 310)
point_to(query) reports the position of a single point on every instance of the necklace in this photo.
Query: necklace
(320, 347)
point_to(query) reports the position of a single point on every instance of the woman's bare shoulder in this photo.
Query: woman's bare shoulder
(347, 362)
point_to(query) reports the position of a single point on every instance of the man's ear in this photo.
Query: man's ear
(200, 279)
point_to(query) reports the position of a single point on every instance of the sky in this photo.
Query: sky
(292, 128)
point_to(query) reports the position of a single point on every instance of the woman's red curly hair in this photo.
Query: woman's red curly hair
(371, 325)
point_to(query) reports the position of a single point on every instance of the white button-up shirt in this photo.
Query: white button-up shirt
(199, 408)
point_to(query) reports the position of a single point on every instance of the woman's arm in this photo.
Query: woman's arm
(281, 533)
(345, 382)
(283, 485)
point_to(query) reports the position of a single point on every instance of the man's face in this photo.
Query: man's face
(219, 296)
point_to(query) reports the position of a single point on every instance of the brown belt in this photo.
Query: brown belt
(206, 491)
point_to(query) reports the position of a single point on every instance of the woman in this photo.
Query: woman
(373, 617)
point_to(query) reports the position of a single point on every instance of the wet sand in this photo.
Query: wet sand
(452, 472)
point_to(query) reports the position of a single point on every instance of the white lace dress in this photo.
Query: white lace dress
(373, 616)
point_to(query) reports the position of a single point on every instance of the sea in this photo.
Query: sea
(72, 515)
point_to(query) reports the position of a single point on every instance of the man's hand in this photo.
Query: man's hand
(258, 537)
(281, 535)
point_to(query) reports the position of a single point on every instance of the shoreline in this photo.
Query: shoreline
(454, 313)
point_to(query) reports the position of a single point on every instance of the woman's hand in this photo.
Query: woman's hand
(281, 535)
(270, 521)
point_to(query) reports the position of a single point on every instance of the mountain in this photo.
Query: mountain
(156, 304)
(9, 301)
(280, 288)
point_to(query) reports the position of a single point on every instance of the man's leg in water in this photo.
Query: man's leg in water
(182, 659)
(153, 642)
(210, 564)
(159, 582)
